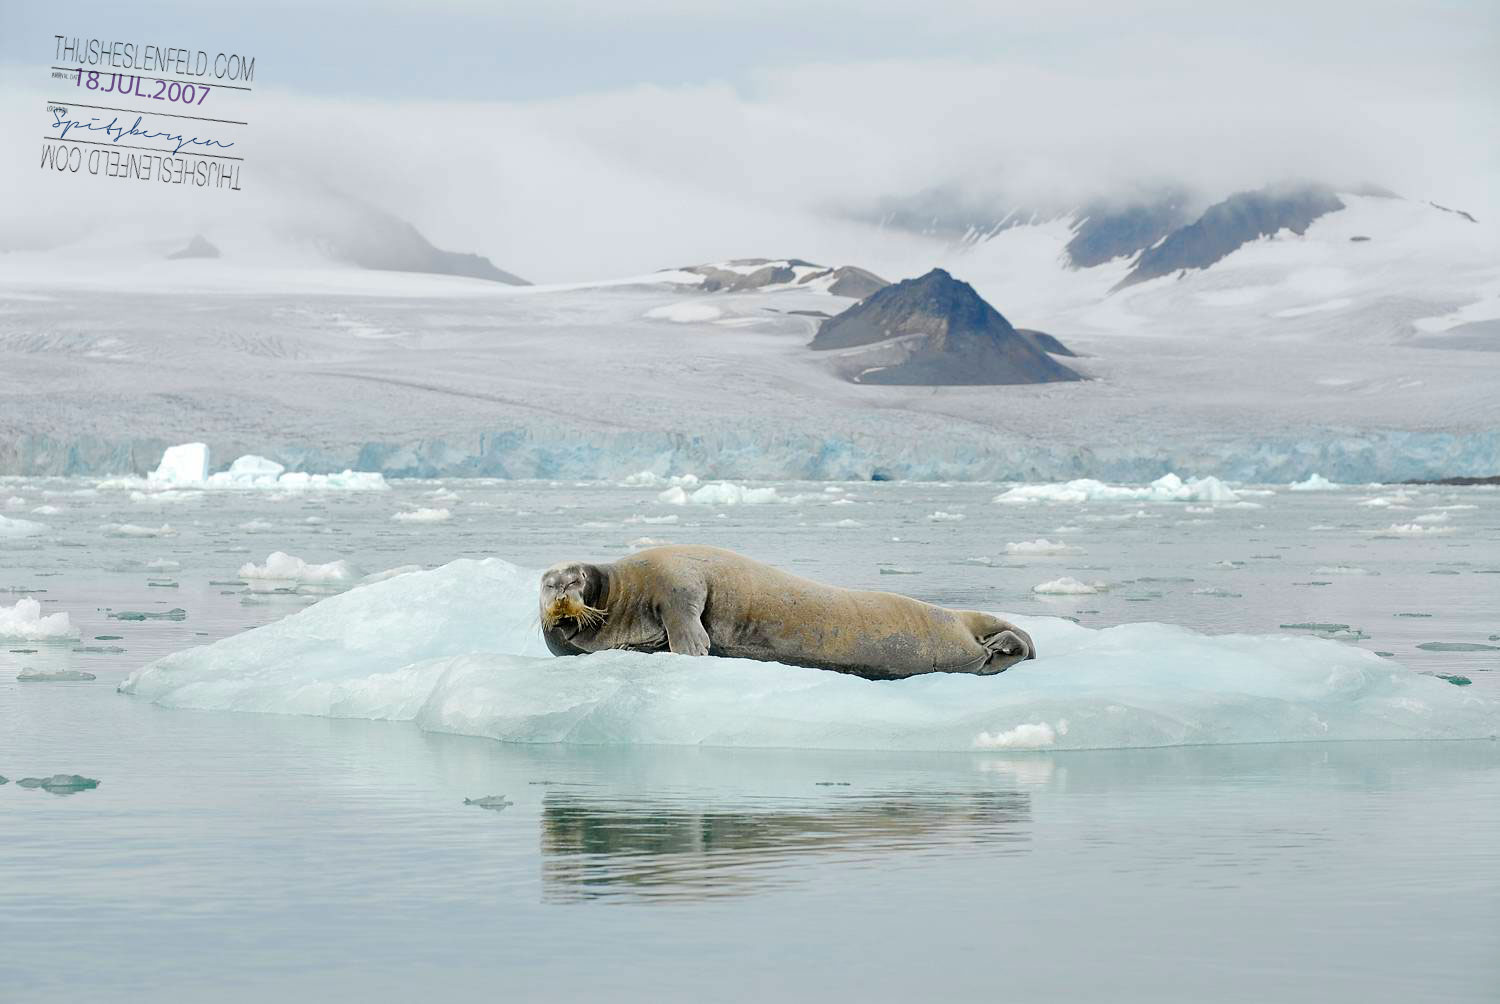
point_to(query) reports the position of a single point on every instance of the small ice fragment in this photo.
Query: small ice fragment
(1041, 547)
(175, 614)
(29, 675)
(493, 802)
(1412, 530)
(1314, 483)
(1067, 586)
(283, 567)
(1343, 570)
(1314, 626)
(1457, 646)
(20, 527)
(898, 571)
(422, 516)
(1454, 678)
(1417, 615)
(1029, 735)
(257, 526)
(945, 517)
(59, 784)
(131, 530)
(643, 542)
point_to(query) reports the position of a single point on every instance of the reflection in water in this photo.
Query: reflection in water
(663, 849)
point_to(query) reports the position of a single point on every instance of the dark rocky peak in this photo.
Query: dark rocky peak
(934, 330)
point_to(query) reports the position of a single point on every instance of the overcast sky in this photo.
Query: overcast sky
(670, 129)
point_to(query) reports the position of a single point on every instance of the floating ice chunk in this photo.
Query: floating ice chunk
(1167, 488)
(1457, 646)
(175, 614)
(20, 527)
(457, 650)
(652, 520)
(186, 464)
(257, 526)
(248, 471)
(1031, 735)
(1342, 570)
(1041, 547)
(131, 530)
(721, 493)
(650, 479)
(59, 784)
(15, 502)
(1397, 501)
(1432, 517)
(945, 517)
(25, 622)
(46, 510)
(344, 481)
(423, 516)
(641, 543)
(1413, 530)
(1314, 483)
(492, 802)
(29, 675)
(1067, 586)
(846, 524)
(289, 568)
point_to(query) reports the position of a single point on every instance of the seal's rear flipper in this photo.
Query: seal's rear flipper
(1007, 648)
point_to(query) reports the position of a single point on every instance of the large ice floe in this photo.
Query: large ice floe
(457, 649)
(1167, 488)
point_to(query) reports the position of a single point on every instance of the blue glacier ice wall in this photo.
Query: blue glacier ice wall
(763, 451)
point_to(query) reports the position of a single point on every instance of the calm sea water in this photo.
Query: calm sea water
(244, 857)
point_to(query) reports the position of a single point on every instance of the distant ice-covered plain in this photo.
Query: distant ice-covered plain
(1251, 622)
(1296, 355)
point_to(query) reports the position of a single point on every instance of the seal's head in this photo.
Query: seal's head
(571, 593)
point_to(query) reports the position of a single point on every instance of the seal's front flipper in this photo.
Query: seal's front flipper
(685, 632)
(1007, 647)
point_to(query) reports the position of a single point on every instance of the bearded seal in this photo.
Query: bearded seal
(710, 601)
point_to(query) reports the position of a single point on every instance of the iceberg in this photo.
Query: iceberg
(457, 650)
(1167, 488)
(186, 464)
(25, 622)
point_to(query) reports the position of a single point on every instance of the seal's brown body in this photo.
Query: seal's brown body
(709, 601)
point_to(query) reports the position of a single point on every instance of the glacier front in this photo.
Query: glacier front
(457, 650)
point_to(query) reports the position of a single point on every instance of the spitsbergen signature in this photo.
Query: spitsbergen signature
(116, 132)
